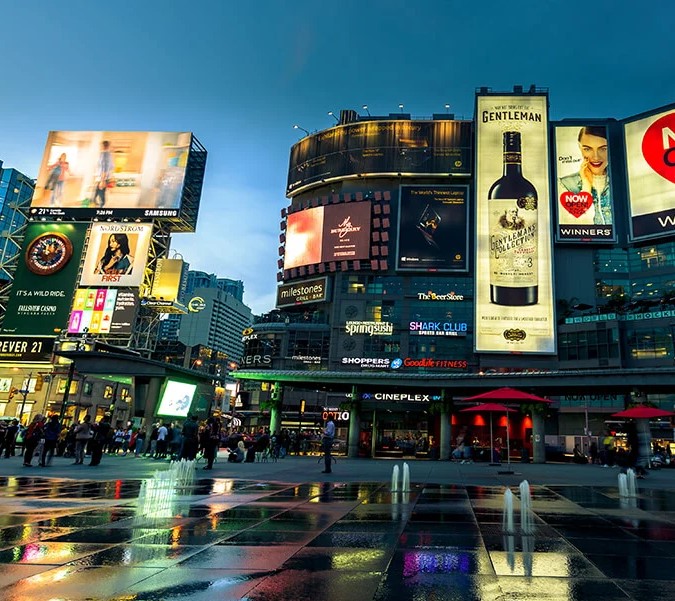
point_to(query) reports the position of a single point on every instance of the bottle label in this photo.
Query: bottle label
(513, 242)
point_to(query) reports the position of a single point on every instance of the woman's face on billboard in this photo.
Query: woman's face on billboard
(594, 151)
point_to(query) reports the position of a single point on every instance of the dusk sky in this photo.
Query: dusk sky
(239, 75)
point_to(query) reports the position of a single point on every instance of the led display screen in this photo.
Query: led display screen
(584, 206)
(103, 311)
(650, 164)
(176, 399)
(332, 233)
(86, 174)
(514, 272)
(432, 228)
(370, 148)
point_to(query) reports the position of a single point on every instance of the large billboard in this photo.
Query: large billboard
(103, 311)
(433, 228)
(650, 162)
(370, 148)
(514, 274)
(45, 278)
(116, 254)
(87, 174)
(584, 207)
(337, 232)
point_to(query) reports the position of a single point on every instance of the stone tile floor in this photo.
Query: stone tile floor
(224, 539)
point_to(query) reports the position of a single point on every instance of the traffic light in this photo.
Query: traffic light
(276, 392)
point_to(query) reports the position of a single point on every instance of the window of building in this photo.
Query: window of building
(373, 345)
(650, 343)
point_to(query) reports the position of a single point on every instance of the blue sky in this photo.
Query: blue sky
(239, 75)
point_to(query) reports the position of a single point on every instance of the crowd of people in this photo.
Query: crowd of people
(46, 437)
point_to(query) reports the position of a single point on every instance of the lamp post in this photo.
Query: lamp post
(66, 392)
(301, 129)
(24, 394)
(332, 114)
(365, 108)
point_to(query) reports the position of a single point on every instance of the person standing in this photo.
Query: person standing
(104, 173)
(99, 439)
(83, 433)
(32, 438)
(140, 441)
(10, 438)
(190, 438)
(162, 434)
(51, 436)
(327, 444)
(211, 441)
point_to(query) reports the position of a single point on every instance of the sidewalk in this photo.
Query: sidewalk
(285, 532)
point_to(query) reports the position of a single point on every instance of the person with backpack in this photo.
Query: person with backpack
(34, 434)
(99, 439)
(83, 432)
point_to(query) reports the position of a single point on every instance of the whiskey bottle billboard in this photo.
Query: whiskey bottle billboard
(514, 282)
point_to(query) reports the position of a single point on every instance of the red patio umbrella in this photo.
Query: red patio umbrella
(642, 412)
(508, 394)
(494, 408)
(643, 415)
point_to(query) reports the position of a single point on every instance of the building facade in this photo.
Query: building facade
(409, 279)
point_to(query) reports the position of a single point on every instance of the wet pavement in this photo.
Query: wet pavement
(222, 538)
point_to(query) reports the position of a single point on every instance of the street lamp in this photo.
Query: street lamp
(332, 114)
(365, 108)
(24, 393)
(301, 129)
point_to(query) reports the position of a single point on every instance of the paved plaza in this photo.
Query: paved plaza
(284, 531)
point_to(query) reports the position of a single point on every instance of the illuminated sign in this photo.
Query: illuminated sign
(432, 363)
(116, 254)
(514, 275)
(331, 233)
(196, 304)
(103, 311)
(88, 174)
(335, 414)
(439, 328)
(433, 228)
(585, 211)
(166, 283)
(401, 396)
(372, 328)
(310, 291)
(256, 361)
(371, 148)
(432, 296)
(39, 302)
(26, 348)
(307, 359)
(367, 362)
(650, 162)
(176, 399)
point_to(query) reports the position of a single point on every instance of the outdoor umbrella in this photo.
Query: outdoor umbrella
(508, 394)
(493, 408)
(643, 414)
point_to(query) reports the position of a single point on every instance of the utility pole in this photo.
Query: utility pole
(24, 393)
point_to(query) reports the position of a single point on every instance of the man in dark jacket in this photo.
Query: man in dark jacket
(190, 436)
(51, 434)
(99, 439)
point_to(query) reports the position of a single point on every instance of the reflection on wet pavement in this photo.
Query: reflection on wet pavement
(236, 539)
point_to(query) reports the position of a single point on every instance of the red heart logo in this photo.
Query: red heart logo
(658, 146)
(576, 203)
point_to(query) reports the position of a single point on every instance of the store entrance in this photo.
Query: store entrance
(402, 434)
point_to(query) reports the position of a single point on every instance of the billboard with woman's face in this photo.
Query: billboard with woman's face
(116, 254)
(584, 194)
